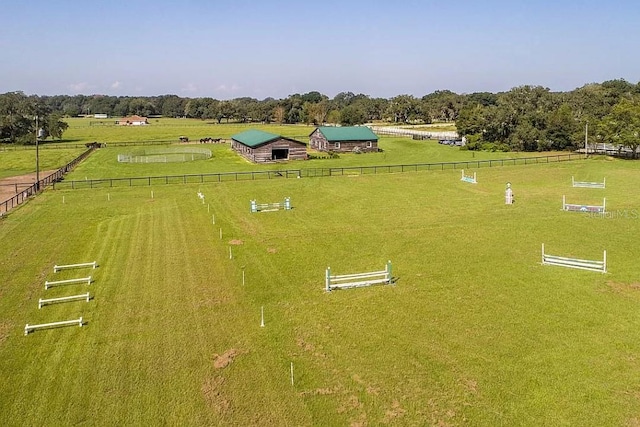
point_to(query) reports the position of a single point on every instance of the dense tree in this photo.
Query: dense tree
(352, 115)
(402, 108)
(21, 117)
(441, 105)
(622, 126)
(523, 118)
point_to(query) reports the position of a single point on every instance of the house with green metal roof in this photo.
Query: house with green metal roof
(260, 147)
(343, 139)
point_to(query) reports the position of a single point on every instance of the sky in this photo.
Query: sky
(275, 48)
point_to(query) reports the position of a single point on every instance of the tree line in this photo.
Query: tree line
(525, 118)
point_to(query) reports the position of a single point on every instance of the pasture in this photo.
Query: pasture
(475, 330)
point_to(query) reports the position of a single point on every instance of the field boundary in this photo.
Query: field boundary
(36, 187)
(309, 173)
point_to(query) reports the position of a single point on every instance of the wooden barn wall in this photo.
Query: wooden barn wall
(262, 154)
(317, 141)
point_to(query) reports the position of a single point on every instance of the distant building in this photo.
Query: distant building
(260, 147)
(133, 121)
(343, 139)
(100, 116)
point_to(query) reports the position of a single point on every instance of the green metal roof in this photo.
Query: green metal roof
(254, 138)
(348, 133)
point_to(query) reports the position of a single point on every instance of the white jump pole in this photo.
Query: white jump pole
(28, 328)
(262, 317)
(152, 194)
(213, 219)
(292, 373)
(220, 233)
(230, 254)
(43, 302)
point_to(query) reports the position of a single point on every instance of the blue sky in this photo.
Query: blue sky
(274, 48)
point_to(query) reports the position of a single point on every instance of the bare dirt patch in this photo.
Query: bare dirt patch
(223, 360)
(272, 250)
(9, 185)
(396, 411)
(13, 185)
(212, 392)
(4, 331)
(236, 242)
(623, 288)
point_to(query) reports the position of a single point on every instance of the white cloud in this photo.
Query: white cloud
(190, 87)
(224, 88)
(115, 85)
(79, 87)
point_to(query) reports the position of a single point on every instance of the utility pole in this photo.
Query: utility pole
(37, 156)
(586, 137)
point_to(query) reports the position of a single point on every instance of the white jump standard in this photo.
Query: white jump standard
(57, 268)
(586, 184)
(572, 207)
(43, 302)
(469, 178)
(48, 284)
(270, 207)
(508, 195)
(581, 264)
(29, 328)
(357, 280)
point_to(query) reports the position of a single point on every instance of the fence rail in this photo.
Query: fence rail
(34, 188)
(307, 173)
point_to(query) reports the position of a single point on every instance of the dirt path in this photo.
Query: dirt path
(11, 186)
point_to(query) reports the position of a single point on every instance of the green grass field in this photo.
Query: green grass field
(474, 332)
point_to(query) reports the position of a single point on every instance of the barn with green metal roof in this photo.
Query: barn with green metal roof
(261, 147)
(343, 139)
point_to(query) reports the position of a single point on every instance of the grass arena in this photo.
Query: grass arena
(199, 312)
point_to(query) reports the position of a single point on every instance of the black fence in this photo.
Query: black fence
(307, 173)
(33, 189)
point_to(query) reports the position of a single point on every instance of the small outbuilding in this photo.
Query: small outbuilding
(260, 147)
(133, 121)
(343, 139)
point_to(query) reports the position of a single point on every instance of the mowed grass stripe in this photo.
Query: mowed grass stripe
(475, 329)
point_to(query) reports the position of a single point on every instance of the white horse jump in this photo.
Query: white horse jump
(270, 207)
(28, 328)
(469, 178)
(48, 284)
(586, 184)
(582, 264)
(572, 207)
(358, 279)
(57, 268)
(43, 302)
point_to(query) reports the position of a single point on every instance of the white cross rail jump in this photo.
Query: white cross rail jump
(42, 302)
(581, 264)
(48, 284)
(357, 280)
(469, 178)
(270, 207)
(29, 328)
(57, 268)
(586, 184)
(574, 207)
